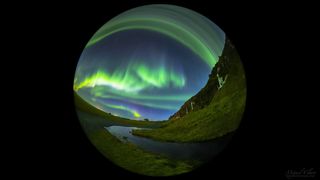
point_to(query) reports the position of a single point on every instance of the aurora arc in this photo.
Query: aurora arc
(134, 113)
(188, 27)
(141, 64)
(133, 79)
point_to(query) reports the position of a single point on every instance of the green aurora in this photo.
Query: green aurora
(187, 27)
(133, 79)
(141, 64)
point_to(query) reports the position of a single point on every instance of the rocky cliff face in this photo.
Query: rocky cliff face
(217, 77)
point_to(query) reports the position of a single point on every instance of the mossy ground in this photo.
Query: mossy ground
(129, 156)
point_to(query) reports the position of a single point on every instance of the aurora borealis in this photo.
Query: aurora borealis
(146, 62)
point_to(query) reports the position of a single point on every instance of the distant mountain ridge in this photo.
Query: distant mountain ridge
(217, 77)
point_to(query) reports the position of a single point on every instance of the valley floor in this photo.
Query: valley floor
(131, 157)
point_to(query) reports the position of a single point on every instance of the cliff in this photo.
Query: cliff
(216, 80)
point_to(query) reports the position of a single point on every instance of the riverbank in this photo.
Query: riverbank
(129, 156)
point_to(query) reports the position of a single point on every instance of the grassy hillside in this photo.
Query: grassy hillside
(82, 105)
(220, 117)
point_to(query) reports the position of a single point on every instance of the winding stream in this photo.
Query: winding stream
(185, 151)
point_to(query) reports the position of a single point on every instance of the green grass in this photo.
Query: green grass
(130, 157)
(220, 117)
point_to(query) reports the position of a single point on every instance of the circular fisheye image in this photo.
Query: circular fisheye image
(159, 90)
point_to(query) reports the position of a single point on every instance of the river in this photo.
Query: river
(202, 151)
(184, 151)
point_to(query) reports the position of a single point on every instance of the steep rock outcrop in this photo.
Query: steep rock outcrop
(217, 77)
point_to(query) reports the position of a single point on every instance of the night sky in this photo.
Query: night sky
(146, 62)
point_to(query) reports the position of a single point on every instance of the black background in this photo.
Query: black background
(275, 42)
